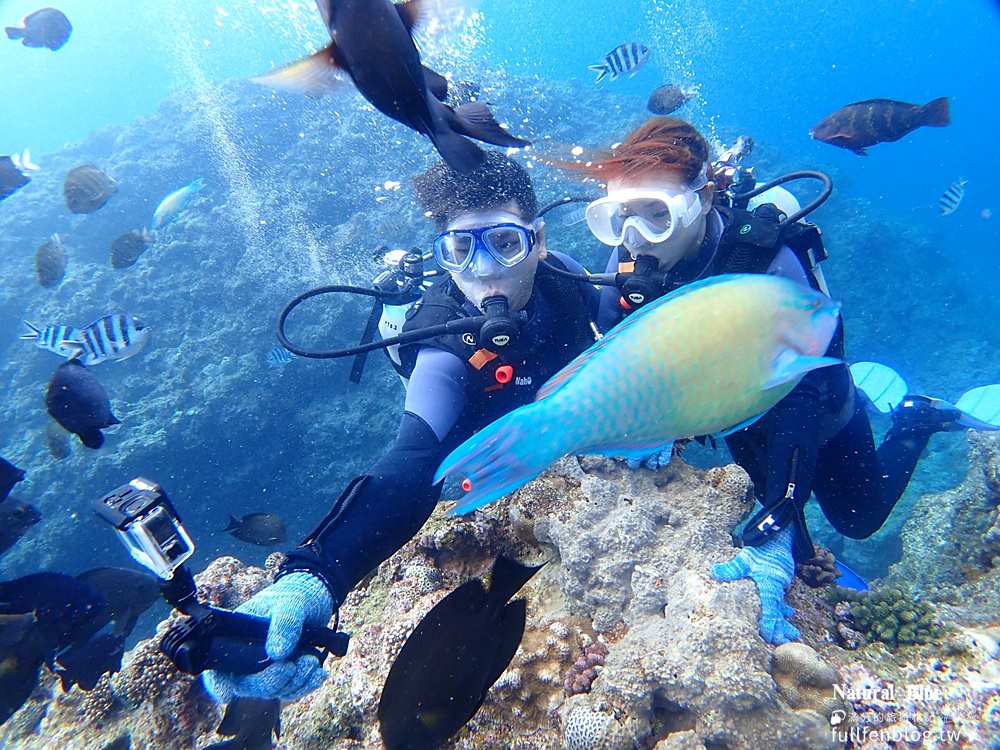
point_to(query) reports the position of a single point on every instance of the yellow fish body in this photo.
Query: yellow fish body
(706, 359)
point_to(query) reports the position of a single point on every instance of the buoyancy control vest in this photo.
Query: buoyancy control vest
(513, 375)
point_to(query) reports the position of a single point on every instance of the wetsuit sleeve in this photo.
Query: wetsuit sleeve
(381, 511)
(436, 391)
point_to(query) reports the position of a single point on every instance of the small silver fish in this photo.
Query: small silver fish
(279, 356)
(625, 58)
(171, 206)
(61, 340)
(951, 197)
(113, 337)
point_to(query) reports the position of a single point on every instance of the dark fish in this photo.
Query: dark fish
(625, 58)
(50, 261)
(372, 46)
(58, 441)
(250, 722)
(62, 610)
(125, 250)
(863, 124)
(127, 592)
(12, 178)
(951, 197)
(87, 188)
(16, 517)
(262, 529)
(669, 98)
(77, 400)
(47, 27)
(451, 660)
(84, 664)
(9, 476)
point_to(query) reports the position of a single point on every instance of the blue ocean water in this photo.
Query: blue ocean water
(152, 92)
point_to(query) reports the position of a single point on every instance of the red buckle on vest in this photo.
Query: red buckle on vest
(504, 374)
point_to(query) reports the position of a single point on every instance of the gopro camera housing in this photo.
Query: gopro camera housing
(148, 526)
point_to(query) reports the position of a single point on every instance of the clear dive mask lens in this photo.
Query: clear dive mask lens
(509, 244)
(654, 214)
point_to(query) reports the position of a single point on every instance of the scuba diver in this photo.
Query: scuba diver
(670, 225)
(528, 323)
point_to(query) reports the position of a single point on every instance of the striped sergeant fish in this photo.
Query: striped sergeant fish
(61, 340)
(952, 197)
(625, 58)
(279, 356)
(113, 337)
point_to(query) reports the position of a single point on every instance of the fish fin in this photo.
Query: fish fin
(459, 152)
(13, 32)
(93, 439)
(508, 577)
(34, 332)
(936, 114)
(437, 84)
(475, 120)
(315, 76)
(507, 638)
(789, 365)
(409, 13)
(26, 163)
(741, 426)
(560, 379)
(860, 151)
(74, 357)
(633, 450)
(504, 456)
(602, 71)
(326, 11)
(234, 523)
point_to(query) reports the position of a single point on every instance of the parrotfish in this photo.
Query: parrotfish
(176, 202)
(707, 359)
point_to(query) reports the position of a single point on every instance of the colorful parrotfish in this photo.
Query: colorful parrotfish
(709, 358)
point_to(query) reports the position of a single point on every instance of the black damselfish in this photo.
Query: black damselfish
(250, 722)
(77, 400)
(452, 658)
(373, 47)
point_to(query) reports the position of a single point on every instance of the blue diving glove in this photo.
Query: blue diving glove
(771, 567)
(654, 461)
(297, 600)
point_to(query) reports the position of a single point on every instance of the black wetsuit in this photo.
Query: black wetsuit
(818, 438)
(453, 390)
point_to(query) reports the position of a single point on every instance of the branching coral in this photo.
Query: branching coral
(892, 616)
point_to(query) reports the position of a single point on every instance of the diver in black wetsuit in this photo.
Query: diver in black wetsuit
(661, 216)
(491, 244)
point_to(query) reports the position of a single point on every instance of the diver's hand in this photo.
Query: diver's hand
(771, 567)
(654, 461)
(297, 600)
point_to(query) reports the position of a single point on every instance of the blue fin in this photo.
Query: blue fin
(789, 365)
(980, 407)
(849, 579)
(882, 386)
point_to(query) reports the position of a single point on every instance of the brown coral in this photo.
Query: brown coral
(585, 669)
(820, 570)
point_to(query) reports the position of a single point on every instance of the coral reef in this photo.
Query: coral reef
(892, 616)
(819, 570)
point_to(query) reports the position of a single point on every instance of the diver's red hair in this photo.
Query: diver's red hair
(660, 143)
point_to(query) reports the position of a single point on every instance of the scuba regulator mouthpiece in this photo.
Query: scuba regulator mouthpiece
(500, 329)
(644, 284)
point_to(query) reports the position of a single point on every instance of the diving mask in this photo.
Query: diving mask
(507, 243)
(652, 213)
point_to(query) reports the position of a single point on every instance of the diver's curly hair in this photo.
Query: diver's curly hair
(442, 192)
(659, 143)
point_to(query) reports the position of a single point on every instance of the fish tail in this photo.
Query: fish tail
(459, 152)
(13, 32)
(507, 579)
(475, 120)
(936, 113)
(505, 455)
(34, 332)
(234, 523)
(602, 71)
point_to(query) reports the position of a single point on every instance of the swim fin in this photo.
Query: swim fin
(849, 579)
(882, 386)
(981, 406)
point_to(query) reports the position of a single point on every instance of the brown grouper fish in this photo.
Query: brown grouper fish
(707, 359)
(863, 124)
(372, 47)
